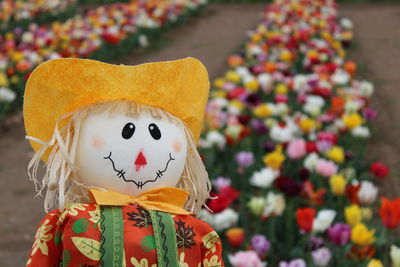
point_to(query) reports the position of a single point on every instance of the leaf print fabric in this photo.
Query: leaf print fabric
(42, 237)
(71, 237)
(88, 247)
(184, 235)
(141, 218)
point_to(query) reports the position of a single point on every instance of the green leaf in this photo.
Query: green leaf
(80, 225)
(148, 243)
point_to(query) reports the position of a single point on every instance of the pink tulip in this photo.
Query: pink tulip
(296, 149)
(326, 168)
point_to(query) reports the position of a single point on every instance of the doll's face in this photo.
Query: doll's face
(130, 155)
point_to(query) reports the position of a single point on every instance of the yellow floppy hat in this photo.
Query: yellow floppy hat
(60, 86)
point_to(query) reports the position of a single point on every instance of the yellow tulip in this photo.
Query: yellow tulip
(337, 184)
(14, 79)
(218, 94)
(238, 104)
(232, 76)
(3, 80)
(262, 111)
(274, 159)
(281, 89)
(312, 54)
(307, 125)
(17, 56)
(375, 263)
(366, 214)
(336, 154)
(353, 120)
(252, 85)
(218, 83)
(286, 56)
(360, 235)
(353, 215)
(256, 37)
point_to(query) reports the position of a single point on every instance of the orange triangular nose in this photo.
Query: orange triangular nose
(140, 159)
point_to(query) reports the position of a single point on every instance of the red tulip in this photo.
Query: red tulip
(311, 147)
(305, 218)
(222, 200)
(352, 193)
(390, 212)
(380, 170)
(111, 38)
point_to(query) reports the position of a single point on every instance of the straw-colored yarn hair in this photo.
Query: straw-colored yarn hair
(62, 181)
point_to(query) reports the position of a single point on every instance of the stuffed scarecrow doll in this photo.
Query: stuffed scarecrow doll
(119, 146)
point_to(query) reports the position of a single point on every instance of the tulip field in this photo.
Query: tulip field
(287, 125)
(103, 33)
(284, 143)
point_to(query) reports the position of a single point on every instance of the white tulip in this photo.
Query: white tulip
(264, 178)
(323, 220)
(367, 193)
(275, 205)
(311, 161)
(361, 132)
(7, 95)
(395, 255)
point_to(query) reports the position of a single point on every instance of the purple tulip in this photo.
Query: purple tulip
(260, 244)
(244, 158)
(259, 127)
(293, 263)
(370, 114)
(228, 86)
(321, 256)
(339, 233)
(268, 146)
(253, 100)
(221, 182)
(315, 242)
(323, 146)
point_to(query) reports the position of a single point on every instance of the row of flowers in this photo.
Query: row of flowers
(19, 13)
(284, 143)
(103, 33)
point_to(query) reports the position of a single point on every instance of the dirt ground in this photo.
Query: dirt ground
(377, 52)
(211, 38)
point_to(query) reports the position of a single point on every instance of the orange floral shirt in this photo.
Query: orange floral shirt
(71, 237)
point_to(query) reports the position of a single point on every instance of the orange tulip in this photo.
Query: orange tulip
(390, 212)
(337, 104)
(350, 67)
(316, 197)
(235, 236)
(270, 67)
(235, 61)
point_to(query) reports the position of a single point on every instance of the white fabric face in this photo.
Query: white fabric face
(130, 155)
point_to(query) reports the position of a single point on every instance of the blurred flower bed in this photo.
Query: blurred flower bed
(103, 33)
(102, 1)
(20, 13)
(284, 144)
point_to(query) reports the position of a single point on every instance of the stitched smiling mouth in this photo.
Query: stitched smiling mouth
(121, 173)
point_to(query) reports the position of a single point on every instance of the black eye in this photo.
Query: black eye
(154, 131)
(128, 130)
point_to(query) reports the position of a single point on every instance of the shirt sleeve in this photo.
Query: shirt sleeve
(47, 247)
(211, 249)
